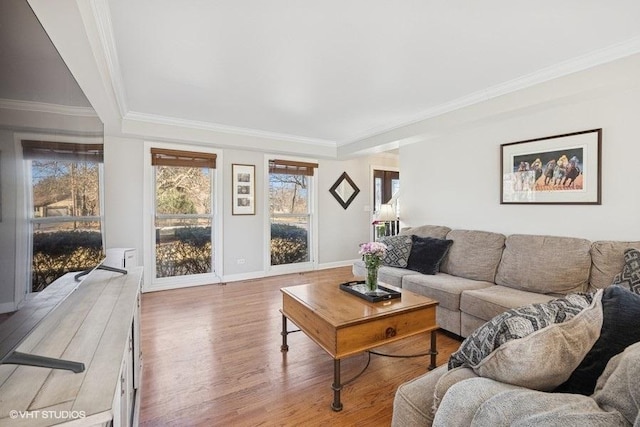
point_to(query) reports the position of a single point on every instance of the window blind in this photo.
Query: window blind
(291, 167)
(164, 157)
(62, 151)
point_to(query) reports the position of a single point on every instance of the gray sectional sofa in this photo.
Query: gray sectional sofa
(486, 273)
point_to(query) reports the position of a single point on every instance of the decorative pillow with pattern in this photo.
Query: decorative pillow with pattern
(398, 250)
(563, 332)
(620, 329)
(630, 275)
(516, 323)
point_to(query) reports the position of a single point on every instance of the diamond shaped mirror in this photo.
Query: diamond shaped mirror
(344, 190)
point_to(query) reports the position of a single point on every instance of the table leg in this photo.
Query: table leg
(284, 347)
(336, 386)
(433, 351)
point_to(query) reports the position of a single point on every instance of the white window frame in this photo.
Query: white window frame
(312, 264)
(150, 282)
(24, 213)
(373, 213)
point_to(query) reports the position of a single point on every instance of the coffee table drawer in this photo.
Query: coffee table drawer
(364, 336)
(313, 325)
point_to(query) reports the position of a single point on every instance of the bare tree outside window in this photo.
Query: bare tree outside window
(65, 219)
(290, 218)
(183, 221)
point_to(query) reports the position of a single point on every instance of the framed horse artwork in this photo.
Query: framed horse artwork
(559, 169)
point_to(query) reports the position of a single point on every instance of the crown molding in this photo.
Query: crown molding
(43, 107)
(570, 66)
(213, 127)
(104, 49)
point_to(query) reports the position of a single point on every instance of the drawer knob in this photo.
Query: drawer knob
(390, 332)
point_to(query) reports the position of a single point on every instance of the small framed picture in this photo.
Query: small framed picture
(244, 189)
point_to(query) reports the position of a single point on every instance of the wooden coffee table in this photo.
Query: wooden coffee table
(345, 325)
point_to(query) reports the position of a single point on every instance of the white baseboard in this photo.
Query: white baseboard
(347, 263)
(243, 276)
(180, 282)
(7, 307)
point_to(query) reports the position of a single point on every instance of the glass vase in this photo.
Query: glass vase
(372, 278)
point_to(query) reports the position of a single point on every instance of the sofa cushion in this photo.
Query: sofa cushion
(435, 231)
(474, 254)
(535, 346)
(545, 264)
(444, 288)
(489, 302)
(398, 250)
(617, 388)
(607, 259)
(620, 328)
(629, 277)
(427, 254)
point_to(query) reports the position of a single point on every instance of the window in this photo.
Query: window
(290, 211)
(65, 181)
(183, 212)
(385, 184)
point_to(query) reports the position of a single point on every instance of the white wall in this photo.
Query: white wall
(340, 231)
(454, 178)
(123, 197)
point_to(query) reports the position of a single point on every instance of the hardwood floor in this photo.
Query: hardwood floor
(212, 358)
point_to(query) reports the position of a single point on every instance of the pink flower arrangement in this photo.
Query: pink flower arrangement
(373, 248)
(372, 254)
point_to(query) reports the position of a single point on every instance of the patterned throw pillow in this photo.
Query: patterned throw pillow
(398, 250)
(516, 323)
(542, 359)
(620, 329)
(630, 275)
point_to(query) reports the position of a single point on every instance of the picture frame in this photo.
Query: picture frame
(243, 200)
(344, 190)
(560, 169)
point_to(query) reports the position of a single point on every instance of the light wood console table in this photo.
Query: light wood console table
(96, 324)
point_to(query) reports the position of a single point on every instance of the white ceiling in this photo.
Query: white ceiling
(338, 70)
(330, 73)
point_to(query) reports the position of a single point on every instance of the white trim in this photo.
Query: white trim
(312, 264)
(23, 197)
(371, 201)
(110, 66)
(43, 107)
(151, 283)
(214, 127)
(22, 232)
(180, 282)
(7, 307)
(564, 68)
(230, 279)
(336, 264)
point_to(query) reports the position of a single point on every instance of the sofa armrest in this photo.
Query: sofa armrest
(416, 400)
(482, 401)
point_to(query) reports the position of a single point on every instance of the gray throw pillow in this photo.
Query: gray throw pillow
(630, 275)
(536, 346)
(398, 250)
(516, 323)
